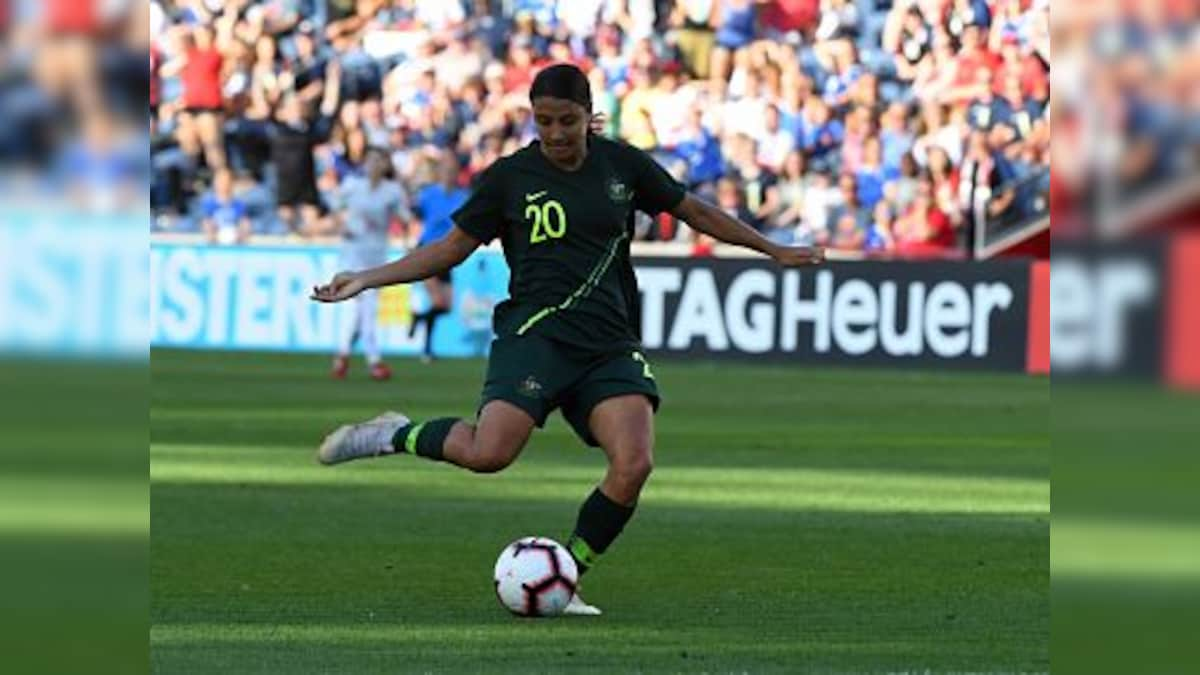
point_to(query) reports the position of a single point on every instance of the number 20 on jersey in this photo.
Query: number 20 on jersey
(549, 221)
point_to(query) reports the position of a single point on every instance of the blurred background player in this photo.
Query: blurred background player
(435, 203)
(367, 203)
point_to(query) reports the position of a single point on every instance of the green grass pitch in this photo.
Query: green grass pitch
(799, 520)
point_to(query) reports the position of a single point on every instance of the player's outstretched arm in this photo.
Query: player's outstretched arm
(421, 263)
(714, 222)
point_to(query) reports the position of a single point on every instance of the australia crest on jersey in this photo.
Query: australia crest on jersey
(618, 191)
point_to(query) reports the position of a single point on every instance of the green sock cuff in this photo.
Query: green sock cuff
(400, 438)
(601, 521)
(410, 439)
(426, 439)
(583, 554)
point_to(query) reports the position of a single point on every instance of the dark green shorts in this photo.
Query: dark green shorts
(538, 375)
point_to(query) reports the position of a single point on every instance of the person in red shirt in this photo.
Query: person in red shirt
(923, 230)
(972, 58)
(786, 17)
(1029, 68)
(518, 74)
(201, 122)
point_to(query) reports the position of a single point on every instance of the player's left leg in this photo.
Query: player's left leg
(624, 428)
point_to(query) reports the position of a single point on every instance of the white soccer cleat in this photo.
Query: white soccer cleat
(577, 607)
(365, 439)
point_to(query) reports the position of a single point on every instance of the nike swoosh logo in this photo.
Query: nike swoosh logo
(534, 196)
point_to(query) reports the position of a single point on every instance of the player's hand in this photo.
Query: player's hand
(345, 285)
(794, 256)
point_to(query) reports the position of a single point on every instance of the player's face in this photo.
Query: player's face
(562, 128)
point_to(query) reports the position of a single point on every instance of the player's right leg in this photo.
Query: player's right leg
(523, 380)
(489, 445)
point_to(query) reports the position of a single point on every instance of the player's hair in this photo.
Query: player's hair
(565, 81)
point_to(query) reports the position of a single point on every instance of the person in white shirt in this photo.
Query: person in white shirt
(367, 204)
(774, 142)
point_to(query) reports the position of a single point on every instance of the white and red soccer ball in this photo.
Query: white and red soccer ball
(535, 576)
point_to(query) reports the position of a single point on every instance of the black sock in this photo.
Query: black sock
(600, 522)
(417, 319)
(425, 439)
(429, 320)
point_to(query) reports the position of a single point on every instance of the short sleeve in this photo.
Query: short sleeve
(655, 190)
(482, 216)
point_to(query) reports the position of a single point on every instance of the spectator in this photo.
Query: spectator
(293, 139)
(872, 175)
(201, 69)
(755, 181)
(735, 30)
(923, 230)
(985, 189)
(694, 20)
(848, 234)
(973, 56)
(849, 205)
(901, 190)
(786, 21)
(519, 71)
(730, 199)
(701, 152)
(966, 14)
(1013, 109)
(945, 179)
(859, 127)
(1030, 71)
(822, 135)
(789, 197)
(580, 19)
(878, 237)
(225, 220)
(846, 72)
(636, 109)
(938, 131)
(604, 101)
(308, 66)
(908, 38)
(775, 143)
(611, 61)
(895, 135)
(820, 202)
(669, 107)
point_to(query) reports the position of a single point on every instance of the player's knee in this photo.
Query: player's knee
(491, 457)
(634, 469)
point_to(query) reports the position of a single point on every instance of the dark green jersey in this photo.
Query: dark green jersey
(566, 239)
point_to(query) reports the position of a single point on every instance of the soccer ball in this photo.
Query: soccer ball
(535, 576)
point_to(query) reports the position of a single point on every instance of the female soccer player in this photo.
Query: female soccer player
(435, 204)
(567, 337)
(368, 203)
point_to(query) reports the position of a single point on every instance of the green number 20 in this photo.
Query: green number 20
(549, 221)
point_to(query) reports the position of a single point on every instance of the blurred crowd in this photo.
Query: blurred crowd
(882, 126)
(1126, 116)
